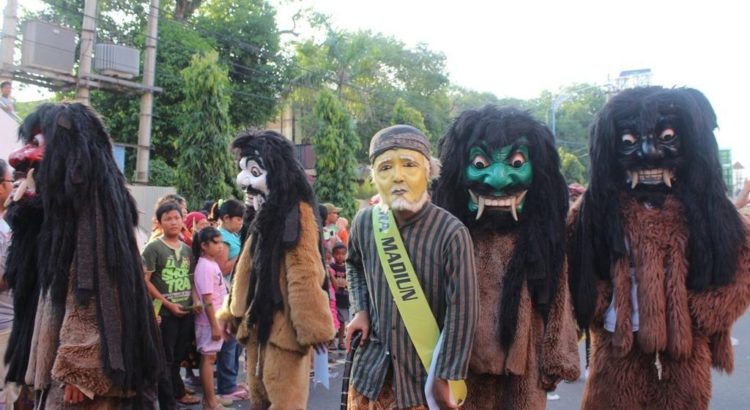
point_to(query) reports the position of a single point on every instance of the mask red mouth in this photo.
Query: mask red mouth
(28, 156)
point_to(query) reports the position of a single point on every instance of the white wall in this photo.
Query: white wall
(8, 135)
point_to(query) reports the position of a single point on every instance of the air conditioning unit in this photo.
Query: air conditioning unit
(117, 61)
(48, 46)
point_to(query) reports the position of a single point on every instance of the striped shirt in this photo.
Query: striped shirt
(441, 251)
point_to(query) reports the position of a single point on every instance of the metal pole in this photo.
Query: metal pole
(147, 99)
(554, 110)
(88, 32)
(10, 21)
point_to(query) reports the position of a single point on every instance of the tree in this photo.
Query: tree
(204, 160)
(403, 114)
(368, 73)
(244, 33)
(572, 169)
(177, 45)
(335, 144)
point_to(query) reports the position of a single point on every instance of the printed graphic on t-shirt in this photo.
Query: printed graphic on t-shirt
(177, 279)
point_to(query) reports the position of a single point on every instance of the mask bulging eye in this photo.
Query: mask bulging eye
(629, 139)
(517, 160)
(256, 172)
(667, 135)
(480, 162)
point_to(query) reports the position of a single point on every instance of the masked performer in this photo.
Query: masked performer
(412, 284)
(277, 288)
(92, 340)
(660, 256)
(501, 178)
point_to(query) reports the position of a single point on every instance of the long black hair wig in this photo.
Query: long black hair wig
(275, 229)
(715, 229)
(88, 227)
(539, 252)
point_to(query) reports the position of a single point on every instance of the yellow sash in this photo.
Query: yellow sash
(418, 319)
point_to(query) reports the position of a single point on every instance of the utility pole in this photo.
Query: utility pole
(88, 32)
(147, 99)
(10, 21)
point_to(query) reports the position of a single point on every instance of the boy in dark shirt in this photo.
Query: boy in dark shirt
(337, 270)
(167, 261)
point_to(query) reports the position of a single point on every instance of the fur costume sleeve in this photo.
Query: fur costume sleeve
(78, 355)
(715, 310)
(308, 303)
(560, 358)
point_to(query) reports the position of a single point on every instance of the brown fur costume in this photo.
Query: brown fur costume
(526, 338)
(537, 360)
(70, 355)
(83, 315)
(690, 330)
(278, 372)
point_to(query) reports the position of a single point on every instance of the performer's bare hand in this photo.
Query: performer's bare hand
(175, 309)
(361, 321)
(442, 392)
(743, 198)
(72, 394)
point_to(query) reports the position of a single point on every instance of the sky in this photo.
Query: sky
(519, 48)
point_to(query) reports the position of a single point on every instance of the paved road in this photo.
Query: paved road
(729, 392)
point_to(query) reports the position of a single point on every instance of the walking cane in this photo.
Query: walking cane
(348, 369)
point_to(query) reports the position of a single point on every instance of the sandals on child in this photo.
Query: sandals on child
(189, 400)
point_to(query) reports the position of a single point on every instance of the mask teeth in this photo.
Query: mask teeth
(513, 208)
(633, 179)
(667, 177)
(473, 196)
(480, 211)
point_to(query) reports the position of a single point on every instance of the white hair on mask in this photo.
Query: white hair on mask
(403, 204)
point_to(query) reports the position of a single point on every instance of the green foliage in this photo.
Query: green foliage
(161, 174)
(576, 114)
(245, 34)
(177, 45)
(203, 155)
(335, 144)
(463, 99)
(117, 22)
(368, 73)
(25, 108)
(572, 168)
(242, 31)
(403, 114)
(365, 190)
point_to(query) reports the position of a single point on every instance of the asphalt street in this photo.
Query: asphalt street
(730, 392)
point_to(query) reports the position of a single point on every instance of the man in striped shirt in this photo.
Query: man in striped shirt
(387, 372)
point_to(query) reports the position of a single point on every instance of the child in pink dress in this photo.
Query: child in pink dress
(210, 287)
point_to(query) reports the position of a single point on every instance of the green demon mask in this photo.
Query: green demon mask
(498, 179)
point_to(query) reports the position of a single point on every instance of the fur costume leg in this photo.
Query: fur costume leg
(286, 376)
(54, 399)
(279, 378)
(631, 382)
(257, 392)
(509, 392)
